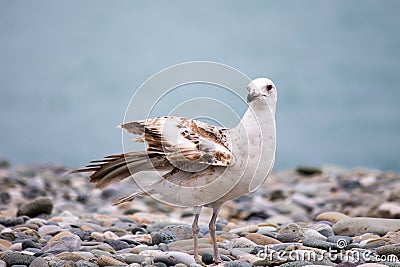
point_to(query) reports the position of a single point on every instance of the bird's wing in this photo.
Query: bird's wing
(184, 141)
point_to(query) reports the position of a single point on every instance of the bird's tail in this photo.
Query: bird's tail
(115, 168)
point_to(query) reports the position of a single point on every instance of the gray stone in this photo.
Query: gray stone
(49, 230)
(389, 249)
(134, 258)
(39, 262)
(290, 233)
(174, 257)
(17, 258)
(65, 243)
(207, 258)
(296, 264)
(237, 264)
(316, 243)
(40, 205)
(362, 225)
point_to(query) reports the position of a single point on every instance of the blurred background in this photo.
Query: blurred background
(69, 68)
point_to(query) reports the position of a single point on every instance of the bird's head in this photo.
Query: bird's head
(263, 91)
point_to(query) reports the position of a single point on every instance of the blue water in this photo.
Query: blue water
(69, 68)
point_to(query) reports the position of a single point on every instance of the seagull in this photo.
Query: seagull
(200, 165)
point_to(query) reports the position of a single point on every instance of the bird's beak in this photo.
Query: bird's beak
(251, 97)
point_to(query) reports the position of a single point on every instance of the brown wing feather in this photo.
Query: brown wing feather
(182, 139)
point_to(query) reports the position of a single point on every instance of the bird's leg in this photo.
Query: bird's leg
(195, 230)
(212, 228)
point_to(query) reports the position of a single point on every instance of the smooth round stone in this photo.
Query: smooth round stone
(372, 265)
(296, 264)
(149, 253)
(40, 205)
(69, 256)
(242, 242)
(373, 243)
(30, 244)
(361, 225)
(262, 239)
(267, 230)
(105, 260)
(316, 243)
(102, 246)
(290, 233)
(16, 246)
(173, 258)
(17, 258)
(65, 243)
(97, 236)
(142, 238)
(85, 263)
(39, 262)
(237, 263)
(86, 255)
(180, 265)
(311, 233)
(246, 229)
(99, 252)
(134, 258)
(110, 235)
(165, 237)
(389, 249)
(117, 244)
(323, 228)
(207, 258)
(159, 264)
(389, 209)
(48, 230)
(7, 222)
(178, 232)
(5, 244)
(331, 216)
(59, 235)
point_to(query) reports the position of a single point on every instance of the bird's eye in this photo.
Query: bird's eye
(269, 87)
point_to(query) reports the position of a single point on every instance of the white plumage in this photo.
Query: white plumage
(201, 164)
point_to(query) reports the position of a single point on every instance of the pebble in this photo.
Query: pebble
(311, 233)
(39, 262)
(262, 239)
(65, 243)
(331, 216)
(40, 205)
(174, 257)
(303, 217)
(317, 243)
(245, 229)
(207, 258)
(323, 228)
(238, 263)
(16, 258)
(134, 258)
(290, 233)
(49, 230)
(117, 244)
(105, 260)
(241, 242)
(389, 249)
(361, 225)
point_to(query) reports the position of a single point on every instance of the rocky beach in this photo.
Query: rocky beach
(302, 217)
